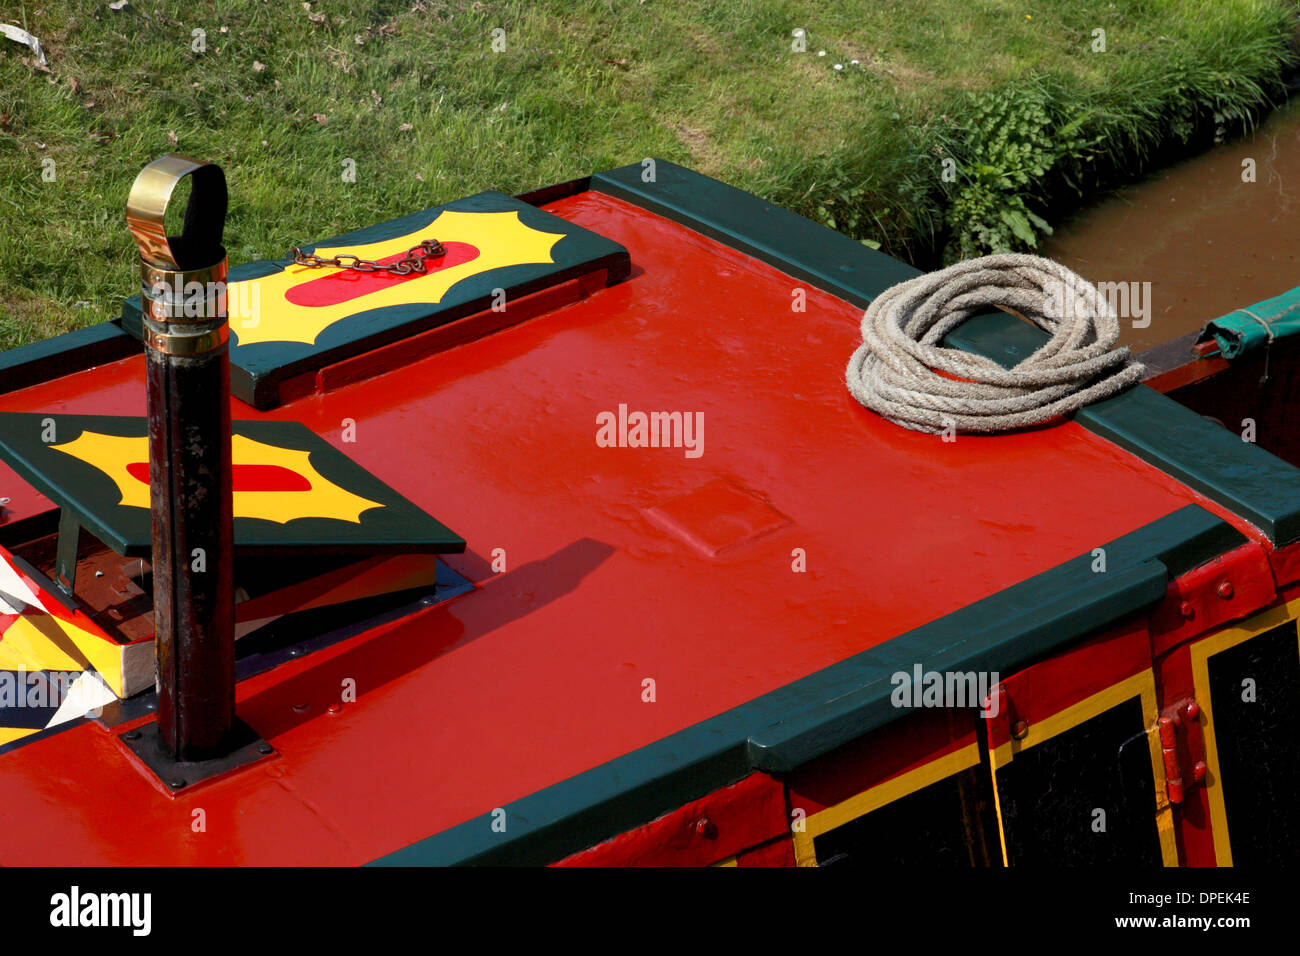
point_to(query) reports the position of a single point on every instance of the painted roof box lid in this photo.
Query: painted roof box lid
(287, 319)
(294, 492)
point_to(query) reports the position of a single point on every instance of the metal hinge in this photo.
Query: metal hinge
(1182, 744)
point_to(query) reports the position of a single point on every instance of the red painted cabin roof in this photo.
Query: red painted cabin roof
(537, 676)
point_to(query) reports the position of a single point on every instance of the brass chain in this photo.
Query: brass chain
(414, 260)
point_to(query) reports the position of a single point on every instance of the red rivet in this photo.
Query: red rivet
(1020, 730)
(1186, 610)
(1198, 770)
(706, 828)
(1193, 710)
(1225, 589)
(335, 708)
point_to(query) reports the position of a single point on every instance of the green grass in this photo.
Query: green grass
(585, 86)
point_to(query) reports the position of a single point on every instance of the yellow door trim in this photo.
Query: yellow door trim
(873, 798)
(1142, 685)
(1201, 652)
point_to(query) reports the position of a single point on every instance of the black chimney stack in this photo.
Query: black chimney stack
(183, 281)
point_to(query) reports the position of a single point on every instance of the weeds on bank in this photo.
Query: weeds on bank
(1010, 98)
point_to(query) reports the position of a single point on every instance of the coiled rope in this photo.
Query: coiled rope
(901, 372)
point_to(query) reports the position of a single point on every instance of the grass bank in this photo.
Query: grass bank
(929, 127)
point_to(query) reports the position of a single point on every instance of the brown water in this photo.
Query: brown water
(1206, 241)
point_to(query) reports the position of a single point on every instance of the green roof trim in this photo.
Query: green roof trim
(64, 354)
(803, 248)
(812, 716)
(1239, 475)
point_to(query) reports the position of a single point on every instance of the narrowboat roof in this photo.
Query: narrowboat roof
(597, 569)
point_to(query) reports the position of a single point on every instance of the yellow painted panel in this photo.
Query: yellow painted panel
(1141, 685)
(1201, 652)
(878, 796)
(500, 238)
(10, 734)
(36, 641)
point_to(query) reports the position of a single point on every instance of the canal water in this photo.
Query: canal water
(1206, 241)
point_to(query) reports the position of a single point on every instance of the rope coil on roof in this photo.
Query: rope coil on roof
(902, 373)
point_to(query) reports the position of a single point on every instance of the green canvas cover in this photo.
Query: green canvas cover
(1245, 330)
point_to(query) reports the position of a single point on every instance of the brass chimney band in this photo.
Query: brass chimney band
(189, 342)
(184, 312)
(152, 276)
